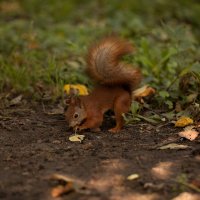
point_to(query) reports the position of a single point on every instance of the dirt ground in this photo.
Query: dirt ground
(35, 145)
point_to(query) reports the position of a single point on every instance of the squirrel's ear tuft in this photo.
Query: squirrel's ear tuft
(74, 100)
(72, 97)
(77, 101)
(68, 101)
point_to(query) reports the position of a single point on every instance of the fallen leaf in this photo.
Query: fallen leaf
(153, 186)
(76, 138)
(133, 177)
(62, 177)
(183, 121)
(82, 89)
(16, 100)
(69, 185)
(61, 189)
(187, 128)
(143, 92)
(189, 134)
(174, 146)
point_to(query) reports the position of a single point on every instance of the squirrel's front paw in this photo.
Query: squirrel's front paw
(80, 128)
(95, 129)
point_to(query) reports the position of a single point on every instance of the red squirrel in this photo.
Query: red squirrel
(115, 82)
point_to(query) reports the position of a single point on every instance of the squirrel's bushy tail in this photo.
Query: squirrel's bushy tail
(105, 67)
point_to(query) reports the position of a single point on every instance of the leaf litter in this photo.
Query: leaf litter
(189, 133)
(15, 101)
(183, 121)
(76, 138)
(68, 185)
(173, 146)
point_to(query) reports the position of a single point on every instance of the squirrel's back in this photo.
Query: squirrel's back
(105, 66)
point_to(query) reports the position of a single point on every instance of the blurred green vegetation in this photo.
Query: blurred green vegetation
(43, 43)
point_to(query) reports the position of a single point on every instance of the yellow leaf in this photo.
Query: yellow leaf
(183, 121)
(81, 88)
(76, 138)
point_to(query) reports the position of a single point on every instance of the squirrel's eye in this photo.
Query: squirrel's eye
(75, 115)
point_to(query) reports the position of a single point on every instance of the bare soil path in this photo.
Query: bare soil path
(34, 145)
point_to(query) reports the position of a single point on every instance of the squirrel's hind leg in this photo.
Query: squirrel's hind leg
(92, 123)
(122, 105)
(95, 129)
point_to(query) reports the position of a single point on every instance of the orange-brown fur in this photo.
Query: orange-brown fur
(115, 81)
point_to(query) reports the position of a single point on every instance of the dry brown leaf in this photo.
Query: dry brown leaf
(69, 186)
(187, 128)
(189, 134)
(154, 186)
(17, 100)
(174, 146)
(62, 177)
(143, 92)
(61, 189)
